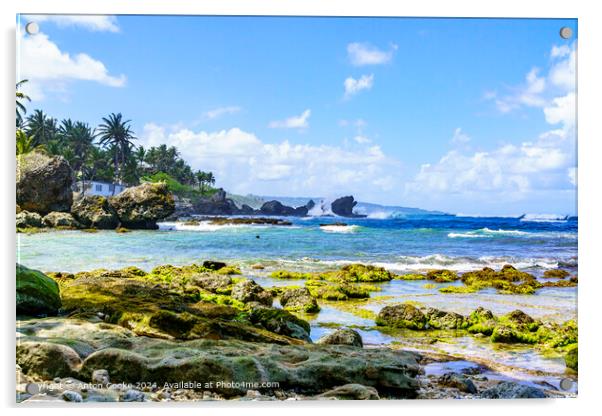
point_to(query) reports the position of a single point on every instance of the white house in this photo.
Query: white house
(99, 188)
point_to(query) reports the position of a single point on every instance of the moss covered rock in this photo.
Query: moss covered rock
(37, 294)
(438, 319)
(508, 280)
(26, 219)
(556, 274)
(299, 300)
(442, 276)
(94, 211)
(343, 336)
(281, 322)
(249, 291)
(571, 358)
(61, 220)
(402, 315)
(47, 359)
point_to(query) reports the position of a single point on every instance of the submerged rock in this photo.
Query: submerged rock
(511, 390)
(343, 336)
(60, 219)
(140, 207)
(401, 316)
(43, 183)
(94, 211)
(37, 294)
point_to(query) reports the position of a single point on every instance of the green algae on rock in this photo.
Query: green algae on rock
(37, 294)
(442, 276)
(508, 280)
(299, 300)
(402, 315)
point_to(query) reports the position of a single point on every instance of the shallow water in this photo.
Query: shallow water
(402, 245)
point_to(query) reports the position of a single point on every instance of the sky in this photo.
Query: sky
(472, 116)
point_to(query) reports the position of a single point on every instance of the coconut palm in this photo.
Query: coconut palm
(79, 138)
(116, 133)
(21, 96)
(41, 126)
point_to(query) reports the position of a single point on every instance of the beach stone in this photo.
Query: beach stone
(401, 315)
(458, 381)
(72, 396)
(43, 183)
(352, 392)
(140, 207)
(37, 294)
(26, 219)
(46, 359)
(100, 377)
(343, 337)
(438, 319)
(249, 291)
(511, 390)
(133, 395)
(299, 300)
(94, 211)
(60, 219)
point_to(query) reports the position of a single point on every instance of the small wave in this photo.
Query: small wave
(489, 233)
(339, 228)
(466, 235)
(202, 226)
(544, 218)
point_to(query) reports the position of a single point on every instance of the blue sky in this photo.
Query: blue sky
(461, 115)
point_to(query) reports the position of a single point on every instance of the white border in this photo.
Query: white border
(590, 153)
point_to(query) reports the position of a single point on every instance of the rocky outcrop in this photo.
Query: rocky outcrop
(248, 291)
(94, 211)
(43, 183)
(37, 294)
(279, 209)
(343, 336)
(140, 207)
(511, 390)
(307, 369)
(216, 204)
(401, 316)
(344, 207)
(26, 219)
(61, 219)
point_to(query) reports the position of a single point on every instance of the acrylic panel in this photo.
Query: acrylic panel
(295, 208)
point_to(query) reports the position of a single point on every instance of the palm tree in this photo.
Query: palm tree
(25, 143)
(79, 138)
(41, 126)
(116, 132)
(201, 178)
(21, 96)
(210, 178)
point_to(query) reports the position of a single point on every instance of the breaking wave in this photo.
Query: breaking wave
(488, 233)
(544, 218)
(339, 228)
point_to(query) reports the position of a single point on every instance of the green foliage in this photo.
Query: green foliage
(25, 143)
(175, 187)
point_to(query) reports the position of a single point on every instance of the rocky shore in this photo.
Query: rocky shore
(205, 332)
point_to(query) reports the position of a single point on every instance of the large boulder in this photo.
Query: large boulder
(43, 183)
(217, 204)
(26, 219)
(94, 211)
(299, 300)
(344, 207)
(276, 208)
(60, 219)
(141, 206)
(511, 390)
(37, 294)
(47, 359)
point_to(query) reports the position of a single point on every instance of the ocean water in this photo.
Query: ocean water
(402, 244)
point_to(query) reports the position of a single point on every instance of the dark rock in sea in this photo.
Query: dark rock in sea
(94, 211)
(351, 392)
(343, 336)
(458, 381)
(344, 207)
(140, 207)
(216, 204)
(43, 183)
(277, 208)
(511, 390)
(336, 224)
(26, 219)
(61, 219)
(37, 294)
(213, 265)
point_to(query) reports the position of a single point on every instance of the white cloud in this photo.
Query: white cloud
(560, 51)
(221, 111)
(95, 23)
(243, 163)
(49, 69)
(460, 137)
(295, 122)
(361, 54)
(510, 172)
(353, 86)
(362, 139)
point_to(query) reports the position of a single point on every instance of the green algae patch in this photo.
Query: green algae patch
(571, 358)
(442, 276)
(284, 274)
(229, 270)
(410, 276)
(508, 280)
(458, 289)
(37, 294)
